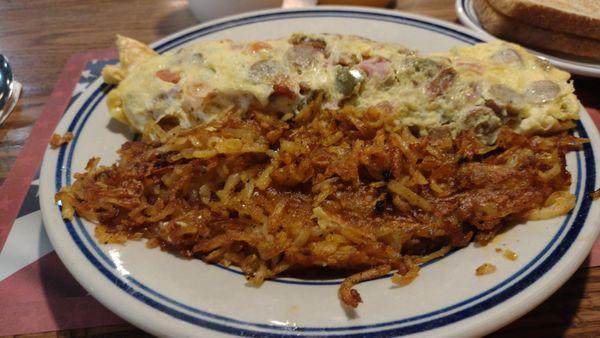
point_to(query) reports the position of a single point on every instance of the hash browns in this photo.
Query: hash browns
(346, 189)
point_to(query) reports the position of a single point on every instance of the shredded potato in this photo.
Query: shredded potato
(350, 296)
(59, 140)
(347, 190)
(595, 195)
(485, 269)
(409, 196)
(510, 255)
(558, 203)
(407, 278)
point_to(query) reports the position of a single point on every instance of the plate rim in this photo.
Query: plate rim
(466, 15)
(162, 42)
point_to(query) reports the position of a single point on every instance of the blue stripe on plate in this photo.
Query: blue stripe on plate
(224, 324)
(308, 13)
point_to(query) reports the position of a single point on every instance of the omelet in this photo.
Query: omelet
(480, 87)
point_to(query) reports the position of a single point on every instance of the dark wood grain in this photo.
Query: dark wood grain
(40, 35)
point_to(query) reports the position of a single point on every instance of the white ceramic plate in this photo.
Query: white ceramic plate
(169, 296)
(573, 64)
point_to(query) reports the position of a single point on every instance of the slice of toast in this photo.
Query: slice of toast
(577, 17)
(511, 29)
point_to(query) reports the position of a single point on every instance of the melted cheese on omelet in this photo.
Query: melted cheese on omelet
(541, 94)
(478, 87)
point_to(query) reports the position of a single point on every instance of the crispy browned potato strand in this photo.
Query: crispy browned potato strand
(346, 189)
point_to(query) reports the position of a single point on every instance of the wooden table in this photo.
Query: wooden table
(39, 36)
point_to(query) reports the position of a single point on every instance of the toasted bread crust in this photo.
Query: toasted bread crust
(544, 15)
(510, 29)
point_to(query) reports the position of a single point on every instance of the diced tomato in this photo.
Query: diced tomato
(256, 47)
(283, 90)
(168, 76)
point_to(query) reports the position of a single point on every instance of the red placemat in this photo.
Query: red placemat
(37, 293)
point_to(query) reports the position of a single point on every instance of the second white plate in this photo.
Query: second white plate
(468, 17)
